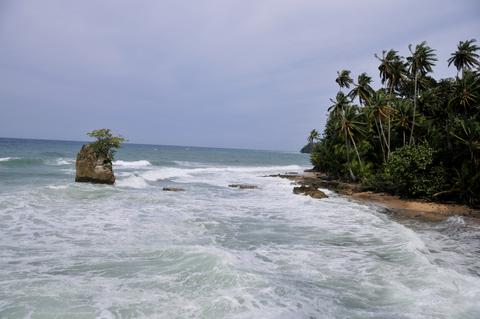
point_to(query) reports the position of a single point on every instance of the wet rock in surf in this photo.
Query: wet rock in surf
(173, 189)
(92, 168)
(243, 186)
(309, 191)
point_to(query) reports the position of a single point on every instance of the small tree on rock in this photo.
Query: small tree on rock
(106, 143)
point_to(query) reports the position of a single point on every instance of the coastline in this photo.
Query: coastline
(400, 207)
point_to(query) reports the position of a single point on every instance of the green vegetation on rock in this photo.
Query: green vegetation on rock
(416, 136)
(106, 143)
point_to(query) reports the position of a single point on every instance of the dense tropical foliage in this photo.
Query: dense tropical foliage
(415, 136)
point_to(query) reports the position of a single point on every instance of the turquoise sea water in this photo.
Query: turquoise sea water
(131, 250)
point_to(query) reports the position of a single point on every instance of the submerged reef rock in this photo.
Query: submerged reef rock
(173, 189)
(92, 168)
(243, 186)
(309, 191)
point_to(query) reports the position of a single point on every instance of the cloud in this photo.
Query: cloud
(255, 74)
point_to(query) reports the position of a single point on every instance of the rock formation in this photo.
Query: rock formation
(309, 191)
(92, 168)
(307, 149)
(173, 189)
(243, 186)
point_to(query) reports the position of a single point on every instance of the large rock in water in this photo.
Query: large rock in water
(307, 149)
(92, 168)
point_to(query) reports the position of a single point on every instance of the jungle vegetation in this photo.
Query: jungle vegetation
(415, 136)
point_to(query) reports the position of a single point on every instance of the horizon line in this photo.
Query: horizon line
(150, 144)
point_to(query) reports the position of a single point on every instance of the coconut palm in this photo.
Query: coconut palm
(466, 92)
(351, 127)
(403, 117)
(362, 89)
(381, 112)
(343, 79)
(420, 62)
(398, 76)
(313, 136)
(384, 67)
(341, 102)
(391, 69)
(466, 57)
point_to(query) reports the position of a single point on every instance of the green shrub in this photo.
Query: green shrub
(325, 158)
(467, 184)
(106, 144)
(409, 171)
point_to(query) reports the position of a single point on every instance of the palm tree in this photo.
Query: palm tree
(392, 69)
(362, 89)
(313, 136)
(350, 127)
(343, 79)
(403, 117)
(381, 111)
(384, 67)
(420, 62)
(465, 57)
(341, 102)
(399, 75)
(466, 91)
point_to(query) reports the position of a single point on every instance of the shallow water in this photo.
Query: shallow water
(131, 250)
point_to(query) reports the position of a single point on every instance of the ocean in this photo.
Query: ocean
(132, 250)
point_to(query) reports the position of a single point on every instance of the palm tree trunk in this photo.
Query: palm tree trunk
(356, 150)
(384, 138)
(414, 108)
(389, 134)
(352, 176)
(380, 137)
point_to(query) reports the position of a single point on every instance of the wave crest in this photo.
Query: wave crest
(6, 159)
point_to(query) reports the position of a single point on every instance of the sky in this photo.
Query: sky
(254, 74)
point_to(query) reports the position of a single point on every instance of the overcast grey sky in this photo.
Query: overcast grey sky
(243, 73)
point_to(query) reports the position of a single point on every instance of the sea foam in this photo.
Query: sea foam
(132, 164)
(132, 181)
(6, 159)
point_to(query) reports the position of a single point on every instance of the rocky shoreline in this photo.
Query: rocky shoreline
(400, 207)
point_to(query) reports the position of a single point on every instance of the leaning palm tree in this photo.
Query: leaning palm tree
(351, 127)
(343, 79)
(420, 62)
(466, 57)
(313, 136)
(362, 89)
